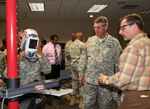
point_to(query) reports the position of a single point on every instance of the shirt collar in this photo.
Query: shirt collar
(141, 35)
(53, 44)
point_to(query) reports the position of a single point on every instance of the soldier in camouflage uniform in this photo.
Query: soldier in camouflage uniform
(29, 69)
(3, 65)
(101, 55)
(75, 51)
(67, 56)
(68, 64)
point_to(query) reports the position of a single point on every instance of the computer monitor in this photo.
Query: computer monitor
(65, 74)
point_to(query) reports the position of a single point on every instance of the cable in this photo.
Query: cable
(15, 96)
(9, 97)
(2, 103)
(48, 91)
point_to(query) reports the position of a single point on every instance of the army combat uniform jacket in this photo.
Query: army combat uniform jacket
(67, 56)
(75, 51)
(29, 69)
(3, 63)
(100, 56)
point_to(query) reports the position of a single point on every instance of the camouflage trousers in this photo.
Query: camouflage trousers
(75, 84)
(90, 93)
(67, 67)
(117, 96)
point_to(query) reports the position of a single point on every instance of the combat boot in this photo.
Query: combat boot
(77, 96)
(67, 97)
(74, 101)
(81, 103)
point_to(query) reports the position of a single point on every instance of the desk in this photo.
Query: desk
(54, 92)
(49, 95)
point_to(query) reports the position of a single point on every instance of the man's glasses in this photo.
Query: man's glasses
(98, 27)
(123, 27)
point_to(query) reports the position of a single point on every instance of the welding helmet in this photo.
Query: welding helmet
(29, 42)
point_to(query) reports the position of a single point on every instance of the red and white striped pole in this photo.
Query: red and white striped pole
(11, 30)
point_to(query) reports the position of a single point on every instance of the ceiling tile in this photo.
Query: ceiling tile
(75, 9)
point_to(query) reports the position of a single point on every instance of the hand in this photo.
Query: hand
(1, 81)
(81, 80)
(21, 55)
(100, 79)
(116, 89)
(20, 33)
(67, 46)
(39, 51)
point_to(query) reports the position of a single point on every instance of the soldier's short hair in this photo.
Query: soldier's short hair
(134, 18)
(101, 19)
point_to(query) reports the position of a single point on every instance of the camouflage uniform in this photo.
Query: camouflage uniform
(82, 88)
(67, 56)
(75, 51)
(100, 56)
(3, 63)
(29, 69)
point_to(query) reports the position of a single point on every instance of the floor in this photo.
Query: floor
(64, 104)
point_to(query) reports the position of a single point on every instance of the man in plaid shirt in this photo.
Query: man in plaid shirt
(133, 77)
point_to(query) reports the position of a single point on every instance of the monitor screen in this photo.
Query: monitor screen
(32, 43)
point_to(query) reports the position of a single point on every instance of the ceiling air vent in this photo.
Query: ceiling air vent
(2, 2)
(129, 6)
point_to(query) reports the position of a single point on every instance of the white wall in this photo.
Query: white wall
(2, 31)
(64, 29)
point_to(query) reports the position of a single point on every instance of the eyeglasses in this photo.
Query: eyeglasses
(98, 27)
(123, 27)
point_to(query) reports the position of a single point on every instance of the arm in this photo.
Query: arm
(81, 78)
(67, 55)
(118, 52)
(44, 62)
(123, 77)
(82, 66)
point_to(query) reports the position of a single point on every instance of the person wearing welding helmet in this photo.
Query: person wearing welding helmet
(31, 60)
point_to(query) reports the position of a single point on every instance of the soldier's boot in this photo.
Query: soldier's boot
(67, 97)
(77, 96)
(81, 103)
(74, 101)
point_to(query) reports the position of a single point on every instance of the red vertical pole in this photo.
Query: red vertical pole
(11, 30)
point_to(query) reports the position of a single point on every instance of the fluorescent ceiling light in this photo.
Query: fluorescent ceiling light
(97, 8)
(36, 6)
